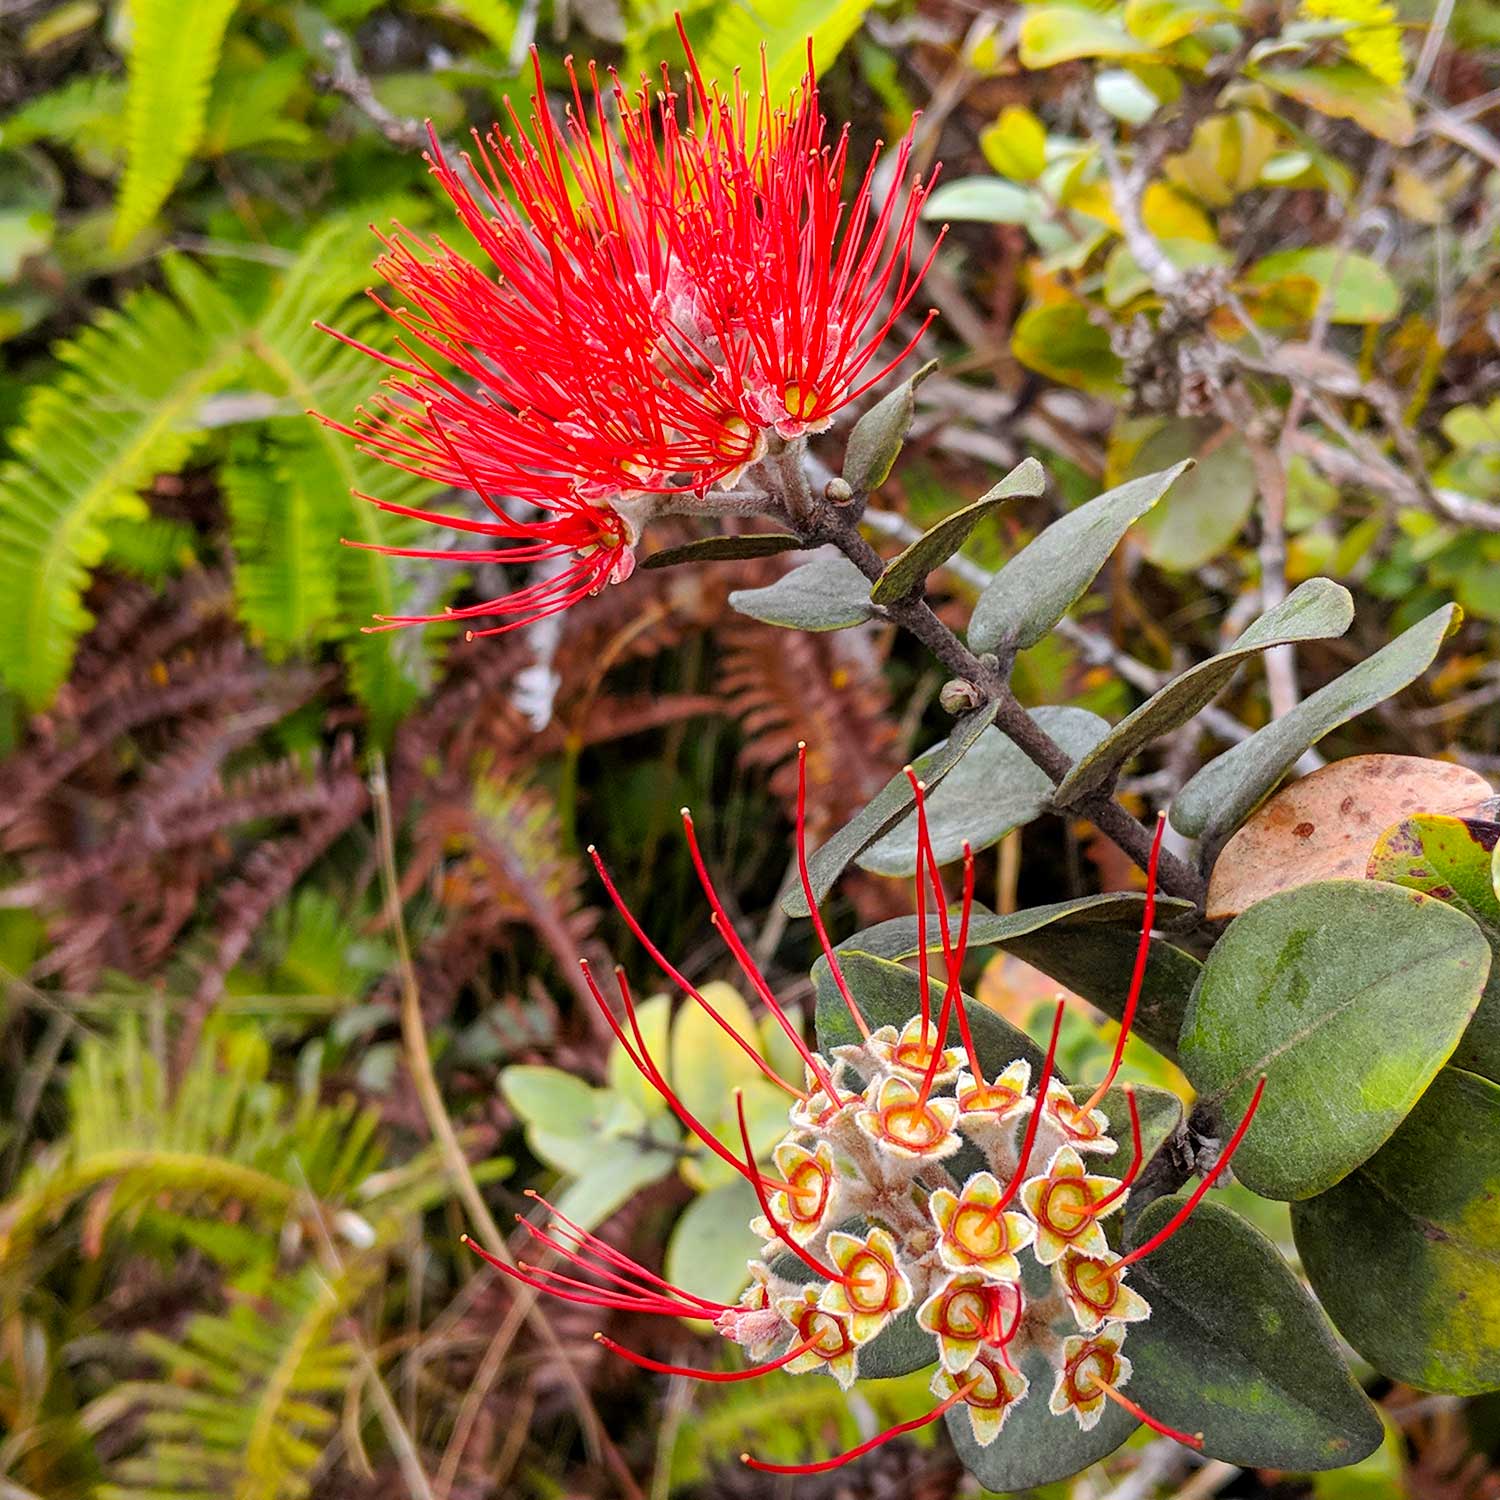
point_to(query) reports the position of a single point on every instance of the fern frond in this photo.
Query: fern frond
(388, 671)
(120, 412)
(173, 57)
(227, 1134)
(782, 27)
(246, 1400)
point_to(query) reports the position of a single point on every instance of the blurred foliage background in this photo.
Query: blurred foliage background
(242, 1130)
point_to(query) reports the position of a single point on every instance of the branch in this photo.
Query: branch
(348, 82)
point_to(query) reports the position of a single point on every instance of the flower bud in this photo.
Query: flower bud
(958, 695)
(838, 491)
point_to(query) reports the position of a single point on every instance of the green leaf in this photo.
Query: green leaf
(1039, 585)
(1208, 506)
(120, 412)
(653, 1019)
(171, 66)
(1088, 945)
(1160, 1112)
(885, 810)
(828, 593)
(1403, 1252)
(890, 994)
(1236, 1349)
(1228, 789)
(1452, 859)
(724, 549)
(1061, 341)
(1037, 1448)
(711, 1243)
(993, 789)
(565, 1118)
(1314, 988)
(980, 200)
(1016, 144)
(879, 434)
(1362, 291)
(1052, 34)
(617, 1169)
(1160, 23)
(1314, 611)
(908, 570)
(782, 27)
(1347, 92)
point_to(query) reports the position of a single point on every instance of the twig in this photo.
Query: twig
(349, 83)
(424, 1080)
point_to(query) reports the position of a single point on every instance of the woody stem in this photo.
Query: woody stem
(839, 526)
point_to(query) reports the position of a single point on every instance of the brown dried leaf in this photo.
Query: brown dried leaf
(1324, 826)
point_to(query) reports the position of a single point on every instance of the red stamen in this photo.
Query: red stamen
(1187, 1439)
(919, 791)
(525, 1274)
(1181, 1216)
(1032, 1123)
(1138, 976)
(1135, 1165)
(812, 903)
(716, 1376)
(937, 1411)
(682, 982)
(748, 966)
(812, 1263)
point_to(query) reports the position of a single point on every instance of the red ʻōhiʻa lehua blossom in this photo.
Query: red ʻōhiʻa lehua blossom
(855, 1233)
(672, 285)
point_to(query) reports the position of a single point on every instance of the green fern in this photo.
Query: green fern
(783, 27)
(121, 411)
(173, 58)
(246, 1400)
(226, 1135)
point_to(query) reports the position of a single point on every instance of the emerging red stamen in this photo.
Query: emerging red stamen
(923, 844)
(1138, 975)
(716, 1376)
(748, 966)
(1136, 1163)
(682, 982)
(1181, 1216)
(1187, 1439)
(812, 1263)
(812, 903)
(841, 1459)
(1033, 1121)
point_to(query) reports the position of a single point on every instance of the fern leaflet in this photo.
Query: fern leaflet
(173, 58)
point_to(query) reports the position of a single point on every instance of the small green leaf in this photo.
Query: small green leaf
(1314, 611)
(653, 1017)
(617, 1169)
(1452, 859)
(1061, 341)
(1315, 988)
(1016, 144)
(1037, 1448)
(724, 549)
(1228, 789)
(565, 1118)
(885, 809)
(1160, 23)
(993, 789)
(1236, 1349)
(980, 200)
(1208, 506)
(711, 1243)
(879, 434)
(889, 994)
(1052, 34)
(1361, 290)
(906, 572)
(1043, 581)
(1403, 1252)
(828, 593)
(1347, 92)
